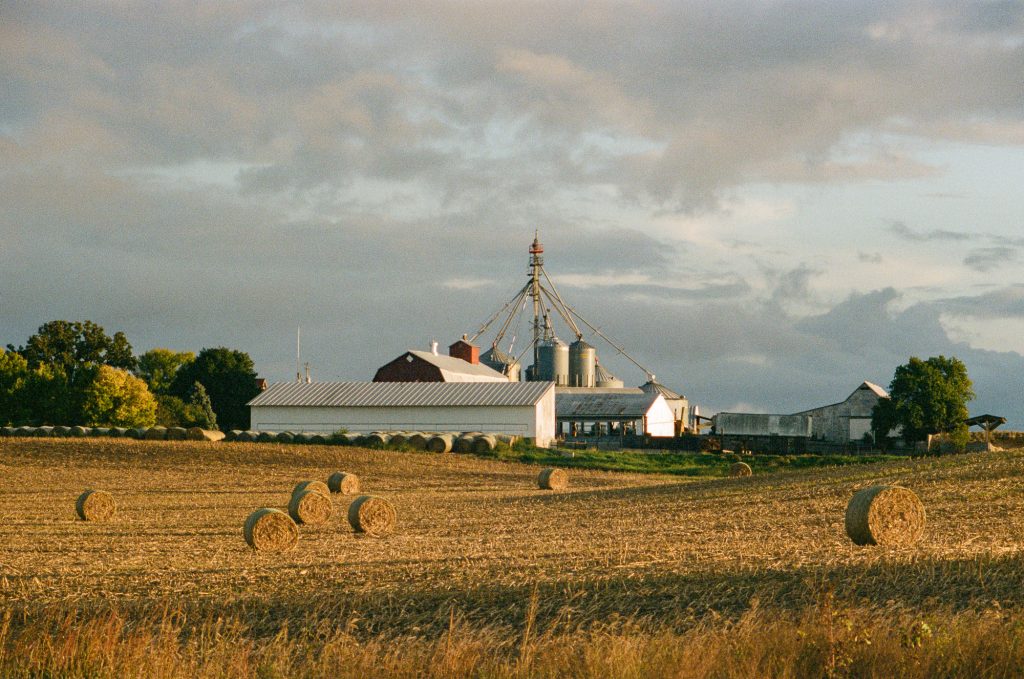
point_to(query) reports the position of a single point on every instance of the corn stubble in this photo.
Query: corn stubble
(621, 575)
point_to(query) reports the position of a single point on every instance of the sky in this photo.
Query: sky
(765, 202)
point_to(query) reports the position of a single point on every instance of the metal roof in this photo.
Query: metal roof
(653, 387)
(457, 365)
(582, 406)
(398, 394)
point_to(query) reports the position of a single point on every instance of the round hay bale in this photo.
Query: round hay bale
(286, 437)
(119, 432)
(375, 440)
(95, 505)
(61, 431)
(177, 433)
(372, 515)
(553, 478)
(97, 432)
(311, 508)
(266, 436)
(45, 430)
(463, 444)
(441, 443)
(246, 437)
(7, 431)
(885, 515)
(304, 437)
(25, 431)
(79, 431)
(270, 530)
(156, 434)
(315, 486)
(200, 434)
(318, 439)
(344, 483)
(740, 469)
(484, 443)
(232, 435)
(398, 439)
(417, 441)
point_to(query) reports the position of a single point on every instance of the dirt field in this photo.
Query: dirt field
(477, 541)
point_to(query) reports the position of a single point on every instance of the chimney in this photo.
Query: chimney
(433, 347)
(464, 350)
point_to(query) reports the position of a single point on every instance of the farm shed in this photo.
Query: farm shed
(603, 412)
(848, 420)
(524, 409)
(757, 424)
(461, 365)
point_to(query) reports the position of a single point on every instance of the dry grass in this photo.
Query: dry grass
(516, 583)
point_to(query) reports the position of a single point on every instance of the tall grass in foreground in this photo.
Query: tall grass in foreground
(823, 641)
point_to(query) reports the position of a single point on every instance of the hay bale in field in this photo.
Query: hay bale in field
(463, 444)
(95, 505)
(232, 435)
(553, 478)
(119, 432)
(484, 443)
(304, 437)
(318, 439)
(343, 482)
(246, 437)
(157, 433)
(372, 515)
(311, 508)
(78, 431)
(270, 530)
(7, 431)
(315, 486)
(286, 437)
(137, 433)
(60, 431)
(266, 436)
(99, 432)
(44, 431)
(200, 434)
(398, 439)
(440, 443)
(417, 440)
(740, 469)
(25, 431)
(176, 434)
(376, 440)
(885, 515)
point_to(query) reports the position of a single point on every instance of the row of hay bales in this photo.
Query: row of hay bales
(436, 442)
(141, 433)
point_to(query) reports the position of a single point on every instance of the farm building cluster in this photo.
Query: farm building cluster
(565, 394)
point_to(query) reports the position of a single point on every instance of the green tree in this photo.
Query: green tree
(116, 398)
(72, 345)
(159, 366)
(14, 377)
(229, 377)
(926, 397)
(200, 410)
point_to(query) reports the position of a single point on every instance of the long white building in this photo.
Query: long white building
(524, 409)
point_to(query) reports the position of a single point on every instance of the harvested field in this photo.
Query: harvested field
(481, 550)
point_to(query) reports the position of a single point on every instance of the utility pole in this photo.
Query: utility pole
(536, 266)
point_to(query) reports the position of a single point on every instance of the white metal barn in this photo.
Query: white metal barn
(524, 409)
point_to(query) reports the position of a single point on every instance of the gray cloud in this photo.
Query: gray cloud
(986, 259)
(903, 231)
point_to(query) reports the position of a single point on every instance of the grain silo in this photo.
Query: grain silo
(582, 364)
(553, 362)
(502, 362)
(605, 379)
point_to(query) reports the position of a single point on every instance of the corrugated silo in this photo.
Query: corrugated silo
(553, 362)
(582, 363)
(605, 379)
(502, 362)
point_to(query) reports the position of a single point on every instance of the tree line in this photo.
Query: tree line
(73, 373)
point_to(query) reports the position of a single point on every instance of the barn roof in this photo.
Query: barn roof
(450, 364)
(399, 394)
(597, 406)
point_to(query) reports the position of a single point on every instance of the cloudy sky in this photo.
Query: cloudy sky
(766, 202)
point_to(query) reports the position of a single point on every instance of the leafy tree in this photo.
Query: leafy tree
(14, 376)
(926, 397)
(72, 345)
(159, 366)
(229, 378)
(117, 398)
(200, 410)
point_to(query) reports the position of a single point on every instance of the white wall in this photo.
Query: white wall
(534, 421)
(660, 420)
